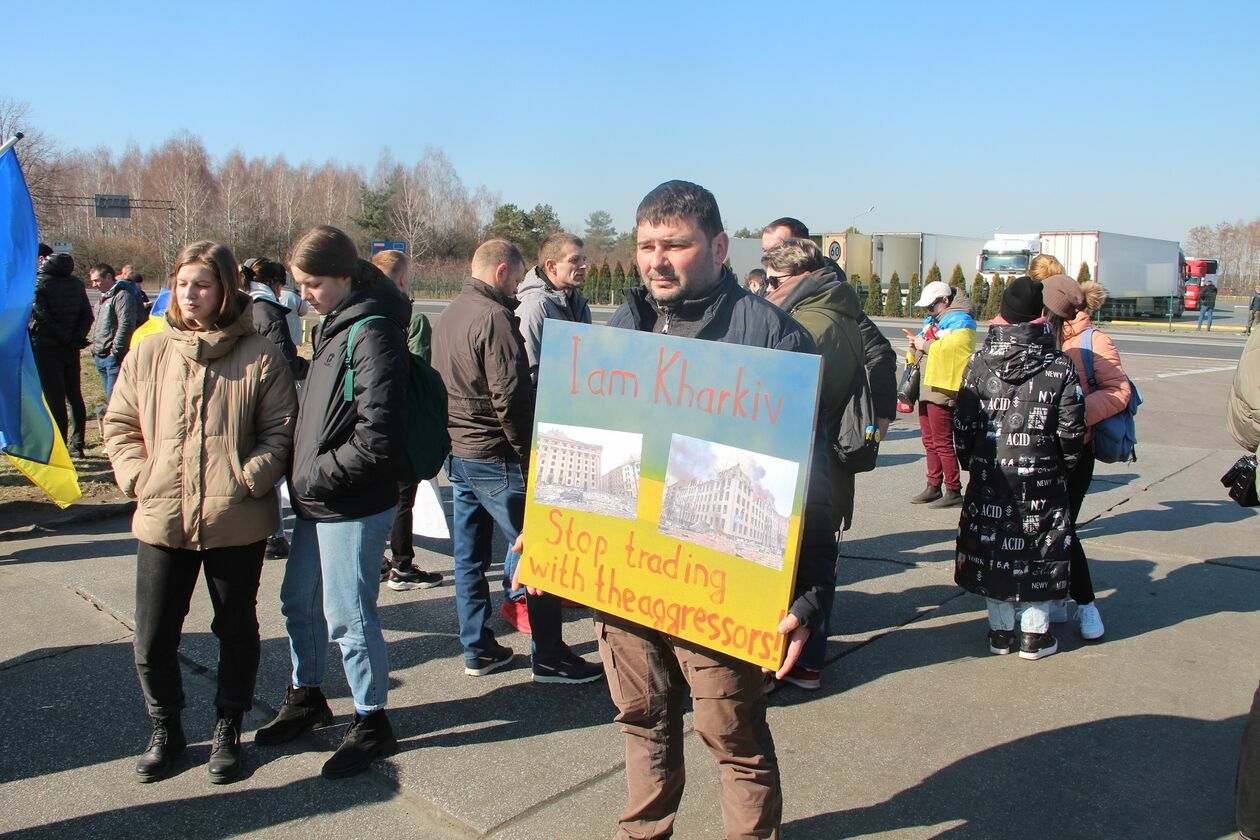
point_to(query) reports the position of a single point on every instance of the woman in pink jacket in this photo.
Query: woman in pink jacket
(1068, 304)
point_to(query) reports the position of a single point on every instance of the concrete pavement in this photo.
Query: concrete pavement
(918, 731)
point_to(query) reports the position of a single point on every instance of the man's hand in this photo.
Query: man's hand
(918, 342)
(797, 633)
(518, 547)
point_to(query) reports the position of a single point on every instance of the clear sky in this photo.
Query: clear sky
(1140, 118)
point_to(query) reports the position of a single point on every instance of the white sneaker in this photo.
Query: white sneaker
(1090, 621)
(1058, 611)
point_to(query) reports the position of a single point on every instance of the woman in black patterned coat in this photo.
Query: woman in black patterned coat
(1018, 428)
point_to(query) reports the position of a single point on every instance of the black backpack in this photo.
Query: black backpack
(857, 442)
(428, 441)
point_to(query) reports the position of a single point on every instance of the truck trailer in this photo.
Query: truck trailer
(1143, 276)
(903, 253)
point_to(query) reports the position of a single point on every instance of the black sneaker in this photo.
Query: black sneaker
(569, 668)
(951, 498)
(302, 709)
(486, 663)
(369, 737)
(400, 580)
(1037, 645)
(225, 763)
(277, 548)
(165, 745)
(1002, 642)
(930, 493)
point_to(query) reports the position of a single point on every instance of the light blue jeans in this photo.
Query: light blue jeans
(1209, 311)
(331, 582)
(1034, 619)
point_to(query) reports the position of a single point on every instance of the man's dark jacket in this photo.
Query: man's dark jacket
(271, 324)
(347, 455)
(881, 358)
(117, 317)
(61, 315)
(733, 315)
(478, 350)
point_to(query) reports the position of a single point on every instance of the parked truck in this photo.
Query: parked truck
(1143, 277)
(903, 253)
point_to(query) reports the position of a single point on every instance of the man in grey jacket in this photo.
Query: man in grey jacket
(551, 290)
(117, 317)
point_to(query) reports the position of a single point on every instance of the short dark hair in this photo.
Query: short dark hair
(796, 228)
(44, 249)
(681, 200)
(269, 272)
(103, 268)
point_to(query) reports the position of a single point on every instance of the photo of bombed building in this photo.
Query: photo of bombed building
(569, 470)
(720, 497)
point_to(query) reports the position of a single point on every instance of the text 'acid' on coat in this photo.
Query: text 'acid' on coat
(347, 454)
(478, 350)
(540, 302)
(1019, 427)
(199, 431)
(828, 310)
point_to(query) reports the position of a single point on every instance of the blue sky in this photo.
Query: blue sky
(1139, 118)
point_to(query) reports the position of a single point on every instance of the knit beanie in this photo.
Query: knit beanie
(1021, 302)
(1063, 296)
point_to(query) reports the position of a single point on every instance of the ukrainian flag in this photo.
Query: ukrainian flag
(28, 436)
(157, 319)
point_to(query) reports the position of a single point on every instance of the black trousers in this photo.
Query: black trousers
(1080, 585)
(1247, 811)
(59, 374)
(400, 545)
(165, 580)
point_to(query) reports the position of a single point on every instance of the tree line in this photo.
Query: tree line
(1236, 246)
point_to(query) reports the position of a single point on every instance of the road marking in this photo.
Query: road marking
(1173, 373)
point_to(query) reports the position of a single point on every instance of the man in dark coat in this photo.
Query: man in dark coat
(60, 319)
(1019, 428)
(688, 292)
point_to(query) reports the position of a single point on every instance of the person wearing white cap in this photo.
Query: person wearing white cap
(948, 310)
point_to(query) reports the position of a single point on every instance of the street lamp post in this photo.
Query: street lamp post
(853, 223)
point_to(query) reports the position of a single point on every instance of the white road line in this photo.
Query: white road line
(1173, 373)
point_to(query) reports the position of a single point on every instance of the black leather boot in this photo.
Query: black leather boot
(165, 745)
(225, 763)
(303, 709)
(368, 738)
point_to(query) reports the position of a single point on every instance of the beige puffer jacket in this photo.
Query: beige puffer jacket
(199, 430)
(1242, 412)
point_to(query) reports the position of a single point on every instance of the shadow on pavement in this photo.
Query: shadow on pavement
(1169, 516)
(72, 550)
(1141, 776)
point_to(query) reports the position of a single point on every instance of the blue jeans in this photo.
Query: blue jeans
(107, 367)
(814, 654)
(331, 581)
(487, 493)
(1209, 311)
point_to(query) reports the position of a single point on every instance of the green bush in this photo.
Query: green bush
(892, 303)
(995, 297)
(874, 297)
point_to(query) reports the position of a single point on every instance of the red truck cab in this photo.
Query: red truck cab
(1196, 270)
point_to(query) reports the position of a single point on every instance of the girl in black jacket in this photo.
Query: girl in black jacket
(1019, 427)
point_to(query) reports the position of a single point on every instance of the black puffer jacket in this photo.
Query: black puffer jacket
(734, 315)
(271, 322)
(1019, 427)
(346, 455)
(61, 315)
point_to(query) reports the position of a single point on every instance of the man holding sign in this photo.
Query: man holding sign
(687, 292)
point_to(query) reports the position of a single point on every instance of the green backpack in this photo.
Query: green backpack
(428, 441)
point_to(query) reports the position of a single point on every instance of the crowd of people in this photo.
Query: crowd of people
(211, 419)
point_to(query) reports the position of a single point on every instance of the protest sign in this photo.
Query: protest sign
(667, 480)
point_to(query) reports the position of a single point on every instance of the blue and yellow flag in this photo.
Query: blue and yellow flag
(28, 435)
(157, 319)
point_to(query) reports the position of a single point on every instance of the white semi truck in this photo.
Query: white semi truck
(1143, 276)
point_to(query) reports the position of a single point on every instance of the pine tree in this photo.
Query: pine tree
(874, 297)
(958, 280)
(591, 290)
(913, 296)
(605, 281)
(979, 292)
(892, 304)
(934, 274)
(1083, 276)
(618, 283)
(633, 277)
(995, 297)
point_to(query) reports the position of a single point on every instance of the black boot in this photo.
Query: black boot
(303, 709)
(930, 493)
(165, 745)
(369, 737)
(225, 749)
